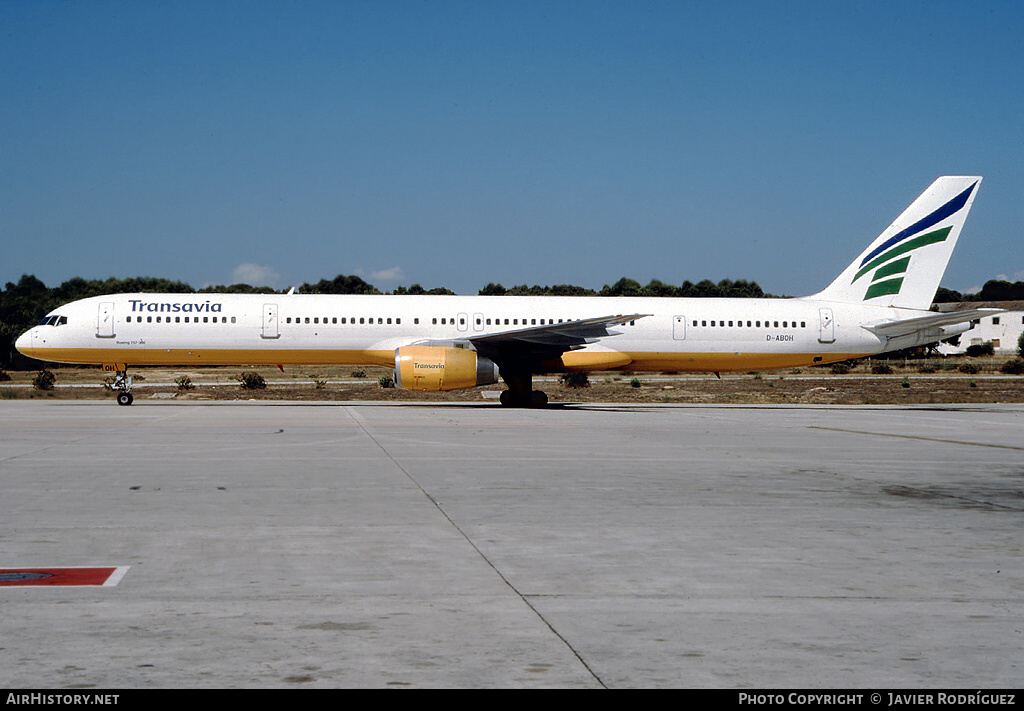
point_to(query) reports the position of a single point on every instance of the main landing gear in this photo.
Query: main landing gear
(520, 391)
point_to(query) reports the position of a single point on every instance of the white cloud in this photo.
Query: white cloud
(254, 275)
(390, 276)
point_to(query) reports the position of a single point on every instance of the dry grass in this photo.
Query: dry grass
(799, 386)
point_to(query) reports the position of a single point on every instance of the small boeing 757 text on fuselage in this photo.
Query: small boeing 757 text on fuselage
(878, 304)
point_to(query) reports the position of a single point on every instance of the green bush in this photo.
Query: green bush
(980, 349)
(840, 368)
(1020, 346)
(575, 380)
(184, 383)
(1013, 367)
(252, 381)
(969, 368)
(882, 369)
(385, 381)
(4, 377)
(634, 383)
(44, 380)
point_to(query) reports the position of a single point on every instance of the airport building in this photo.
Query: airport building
(1003, 329)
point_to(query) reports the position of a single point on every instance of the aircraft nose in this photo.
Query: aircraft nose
(24, 341)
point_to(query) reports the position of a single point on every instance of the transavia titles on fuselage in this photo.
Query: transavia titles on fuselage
(879, 303)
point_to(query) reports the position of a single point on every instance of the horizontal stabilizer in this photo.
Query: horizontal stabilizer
(903, 327)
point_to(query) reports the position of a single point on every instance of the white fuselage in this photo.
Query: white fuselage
(675, 335)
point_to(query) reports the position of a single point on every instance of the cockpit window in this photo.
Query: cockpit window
(54, 321)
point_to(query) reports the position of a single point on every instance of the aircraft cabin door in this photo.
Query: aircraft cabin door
(270, 321)
(463, 322)
(105, 320)
(679, 328)
(827, 332)
(478, 322)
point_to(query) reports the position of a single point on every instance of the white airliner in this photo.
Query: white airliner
(879, 303)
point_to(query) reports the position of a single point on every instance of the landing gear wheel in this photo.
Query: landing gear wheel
(536, 399)
(124, 398)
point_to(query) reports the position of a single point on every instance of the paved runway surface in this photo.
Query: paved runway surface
(282, 545)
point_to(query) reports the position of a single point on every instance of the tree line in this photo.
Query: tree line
(994, 290)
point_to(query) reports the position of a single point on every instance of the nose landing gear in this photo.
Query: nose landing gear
(122, 384)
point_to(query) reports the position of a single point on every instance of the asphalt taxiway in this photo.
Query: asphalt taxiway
(345, 544)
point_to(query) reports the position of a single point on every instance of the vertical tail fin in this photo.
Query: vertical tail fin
(902, 268)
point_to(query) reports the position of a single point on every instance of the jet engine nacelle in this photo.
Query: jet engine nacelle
(435, 368)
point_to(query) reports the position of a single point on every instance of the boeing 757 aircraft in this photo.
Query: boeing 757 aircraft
(879, 303)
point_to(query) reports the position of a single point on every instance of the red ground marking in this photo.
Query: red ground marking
(10, 577)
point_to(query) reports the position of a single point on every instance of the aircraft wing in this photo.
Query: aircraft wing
(555, 336)
(907, 326)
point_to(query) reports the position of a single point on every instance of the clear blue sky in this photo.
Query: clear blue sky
(458, 143)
